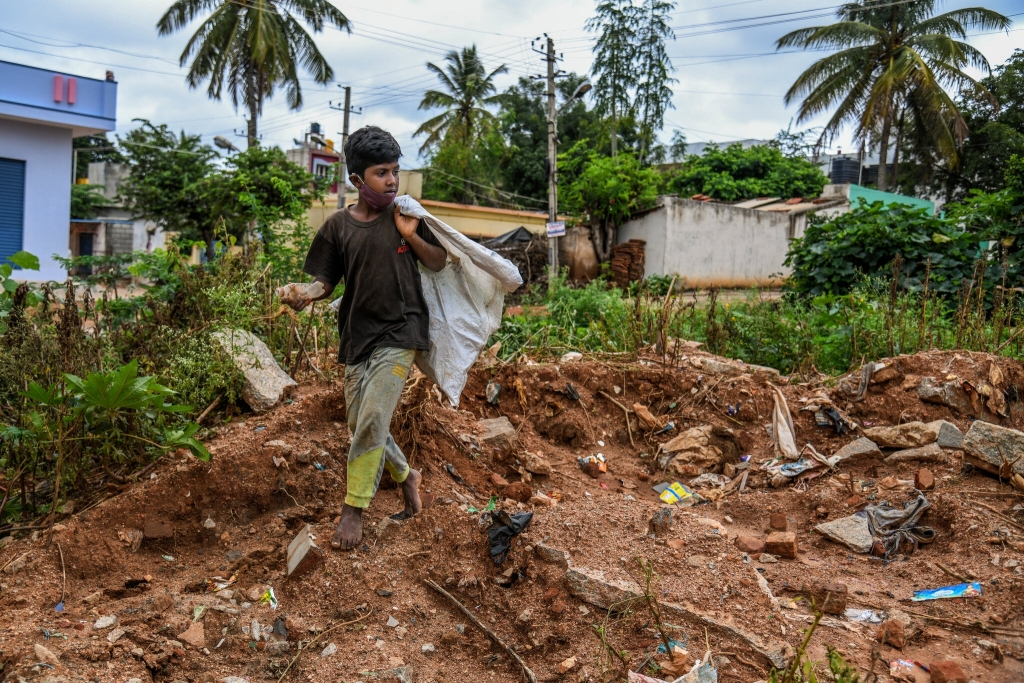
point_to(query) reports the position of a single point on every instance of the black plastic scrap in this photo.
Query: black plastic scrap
(893, 527)
(503, 529)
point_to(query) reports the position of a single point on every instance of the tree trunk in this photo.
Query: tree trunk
(597, 236)
(896, 154)
(615, 130)
(253, 105)
(883, 152)
(208, 238)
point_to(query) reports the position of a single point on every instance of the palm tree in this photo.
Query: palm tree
(253, 46)
(468, 90)
(894, 60)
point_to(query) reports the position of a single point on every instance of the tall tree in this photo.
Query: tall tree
(467, 92)
(653, 94)
(894, 60)
(253, 47)
(616, 23)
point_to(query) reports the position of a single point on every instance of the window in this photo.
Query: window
(12, 207)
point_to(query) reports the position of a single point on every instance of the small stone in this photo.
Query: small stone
(209, 523)
(461, 628)
(551, 594)
(782, 543)
(497, 432)
(924, 480)
(115, 635)
(862, 447)
(92, 598)
(567, 665)
(552, 555)
(105, 622)
(749, 544)
(195, 635)
(45, 656)
(892, 633)
(329, 650)
(161, 603)
(947, 671)
(830, 598)
(661, 522)
(498, 480)
(767, 558)
(557, 607)
(392, 622)
(278, 647)
(778, 522)
(675, 543)
(543, 500)
(428, 649)
(526, 616)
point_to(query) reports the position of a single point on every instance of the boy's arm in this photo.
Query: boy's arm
(430, 255)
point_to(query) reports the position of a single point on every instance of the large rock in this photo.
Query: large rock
(930, 453)
(595, 588)
(852, 531)
(862, 447)
(952, 395)
(265, 381)
(497, 432)
(907, 435)
(991, 448)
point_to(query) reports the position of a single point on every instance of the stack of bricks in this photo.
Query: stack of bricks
(627, 263)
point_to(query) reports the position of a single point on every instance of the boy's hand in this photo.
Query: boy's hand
(299, 295)
(406, 224)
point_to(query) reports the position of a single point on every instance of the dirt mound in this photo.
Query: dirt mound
(272, 475)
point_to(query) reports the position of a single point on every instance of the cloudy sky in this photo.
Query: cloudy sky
(730, 79)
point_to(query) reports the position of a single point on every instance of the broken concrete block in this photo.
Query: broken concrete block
(830, 598)
(497, 432)
(991, 448)
(782, 543)
(852, 531)
(861, 447)
(552, 555)
(302, 554)
(265, 381)
(595, 588)
(157, 529)
(778, 522)
(885, 372)
(950, 436)
(930, 453)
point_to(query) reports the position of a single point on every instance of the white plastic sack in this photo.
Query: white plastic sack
(465, 302)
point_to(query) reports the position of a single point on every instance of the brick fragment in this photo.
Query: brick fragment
(781, 543)
(947, 671)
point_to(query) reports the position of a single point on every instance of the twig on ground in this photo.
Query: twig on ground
(419, 554)
(527, 673)
(627, 411)
(322, 634)
(950, 572)
(63, 574)
(285, 492)
(1006, 518)
(202, 415)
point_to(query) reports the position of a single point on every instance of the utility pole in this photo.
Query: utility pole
(342, 161)
(552, 163)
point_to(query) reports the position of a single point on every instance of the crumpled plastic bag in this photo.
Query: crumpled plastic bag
(703, 671)
(465, 302)
(783, 432)
(501, 532)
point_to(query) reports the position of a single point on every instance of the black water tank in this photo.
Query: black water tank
(845, 170)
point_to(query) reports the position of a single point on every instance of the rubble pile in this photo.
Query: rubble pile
(888, 500)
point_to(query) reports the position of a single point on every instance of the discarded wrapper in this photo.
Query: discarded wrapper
(602, 463)
(269, 598)
(870, 616)
(960, 590)
(677, 493)
(503, 530)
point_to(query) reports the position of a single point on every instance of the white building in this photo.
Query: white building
(40, 112)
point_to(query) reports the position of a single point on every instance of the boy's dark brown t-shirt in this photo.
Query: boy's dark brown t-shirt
(383, 304)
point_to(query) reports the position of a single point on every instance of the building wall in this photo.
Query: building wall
(712, 244)
(46, 151)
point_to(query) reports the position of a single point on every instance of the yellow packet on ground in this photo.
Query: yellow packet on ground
(675, 494)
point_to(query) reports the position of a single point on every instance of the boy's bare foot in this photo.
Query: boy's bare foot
(411, 493)
(350, 528)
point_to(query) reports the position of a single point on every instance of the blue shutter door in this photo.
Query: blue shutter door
(12, 207)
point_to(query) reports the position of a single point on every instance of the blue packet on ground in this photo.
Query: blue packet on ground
(960, 590)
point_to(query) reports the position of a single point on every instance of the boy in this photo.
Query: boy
(382, 320)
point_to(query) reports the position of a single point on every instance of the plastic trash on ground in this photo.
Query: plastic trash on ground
(703, 671)
(676, 494)
(465, 302)
(882, 529)
(600, 462)
(269, 598)
(503, 530)
(960, 590)
(867, 616)
(783, 432)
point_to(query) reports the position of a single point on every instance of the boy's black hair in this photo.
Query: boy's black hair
(369, 146)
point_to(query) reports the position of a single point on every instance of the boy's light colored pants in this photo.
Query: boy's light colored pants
(372, 390)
